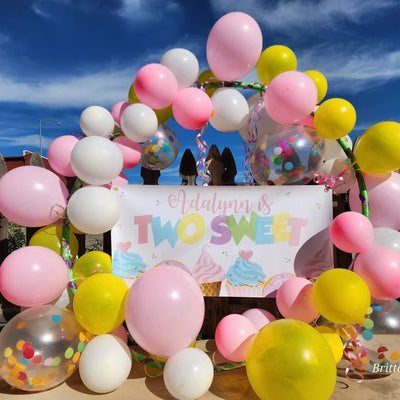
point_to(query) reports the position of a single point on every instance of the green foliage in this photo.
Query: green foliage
(16, 237)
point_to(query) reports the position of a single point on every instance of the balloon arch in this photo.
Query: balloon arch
(291, 135)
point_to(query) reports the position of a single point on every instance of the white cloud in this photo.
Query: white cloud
(352, 70)
(147, 10)
(43, 7)
(294, 16)
(104, 87)
(33, 140)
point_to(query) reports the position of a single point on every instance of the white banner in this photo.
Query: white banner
(234, 240)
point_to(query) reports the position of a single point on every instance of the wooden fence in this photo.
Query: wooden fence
(222, 171)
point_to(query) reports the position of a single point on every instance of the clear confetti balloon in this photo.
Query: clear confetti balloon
(161, 150)
(40, 348)
(288, 155)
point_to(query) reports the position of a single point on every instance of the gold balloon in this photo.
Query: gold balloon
(378, 148)
(287, 360)
(163, 115)
(273, 61)
(208, 76)
(341, 296)
(320, 82)
(51, 237)
(91, 263)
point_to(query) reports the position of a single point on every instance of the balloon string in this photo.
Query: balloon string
(225, 366)
(201, 164)
(148, 361)
(252, 136)
(246, 164)
(353, 352)
(359, 176)
(65, 248)
(333, 180)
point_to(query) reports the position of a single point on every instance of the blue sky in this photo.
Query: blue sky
(58, 57)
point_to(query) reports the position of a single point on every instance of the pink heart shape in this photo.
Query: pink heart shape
(245, 254)
(123, 246)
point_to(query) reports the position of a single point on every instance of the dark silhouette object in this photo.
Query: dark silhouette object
(187, 168)
(230, 171)
(150, 177)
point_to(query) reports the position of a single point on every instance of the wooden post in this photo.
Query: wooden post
(215, 166)
(149, 177)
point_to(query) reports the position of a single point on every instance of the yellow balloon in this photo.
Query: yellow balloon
(51, 236)
(273, 61)
(163, 115)
(334, 341)
(132, 98)
(341, 296)
(91, 263)
(99, 303)
(208, 76)
(378, 148)
(335, 118)
(320, 82)
(288, 359)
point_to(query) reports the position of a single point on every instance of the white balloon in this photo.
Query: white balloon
(335, 168)
(105, 363)
(139, 122)
(96, 121)
(333, 150)
(93, 209)
(188, 374)
(183, 64)
(387, 237)
(96, 160)
(231, 110)
(259, 122)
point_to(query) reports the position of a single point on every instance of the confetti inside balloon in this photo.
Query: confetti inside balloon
(288, 155)
(161, 150)
(40, 348)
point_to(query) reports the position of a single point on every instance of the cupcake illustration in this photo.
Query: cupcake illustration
(125, 265)
(208, 274)
(245, 278)
(274, 283)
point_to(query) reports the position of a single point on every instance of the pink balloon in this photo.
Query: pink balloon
(290, 97)
(192, 108)
(32, 276)
(294, 300)
(130, 150)
(351, 232)
(234, 45)
(164, 310)
(120, 332)
(32, 196)
(379, 266)
(259, 317)
(383, 199)
(59, 154)
(233, 336)
(117, 109)
(155, 86)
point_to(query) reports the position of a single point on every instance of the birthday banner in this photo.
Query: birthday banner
(234, 241)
